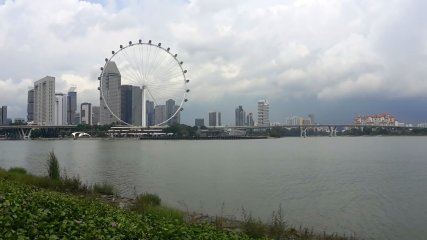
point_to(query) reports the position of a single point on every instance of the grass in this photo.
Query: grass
(148, 199)
(103, 188)
(18, 170)
(278, 229)
(147, 203)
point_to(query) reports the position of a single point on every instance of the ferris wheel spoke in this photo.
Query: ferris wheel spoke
(133, 66)
(152, 67)
(137, 65)
(154, 99)
(158, 65)
(128, 73)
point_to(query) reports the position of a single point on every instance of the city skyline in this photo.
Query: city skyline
(373, 61)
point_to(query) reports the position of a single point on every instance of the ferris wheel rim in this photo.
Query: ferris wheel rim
(174, 57)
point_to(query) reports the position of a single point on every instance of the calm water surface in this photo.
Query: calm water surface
(375, 187)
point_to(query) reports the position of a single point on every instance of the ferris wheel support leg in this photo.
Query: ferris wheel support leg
(144, 111)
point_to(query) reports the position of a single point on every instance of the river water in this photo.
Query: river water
(373, 187)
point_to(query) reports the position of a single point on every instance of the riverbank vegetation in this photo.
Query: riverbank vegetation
(59, 207)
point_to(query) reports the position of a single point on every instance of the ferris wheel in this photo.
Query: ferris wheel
(142, 78)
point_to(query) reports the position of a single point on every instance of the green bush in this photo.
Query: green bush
(74, 185)
(149, 199)
(18, 170)
(103, 188)
(53, 166)
(254, 227)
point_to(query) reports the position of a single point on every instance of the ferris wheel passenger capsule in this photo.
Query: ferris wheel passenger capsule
(130, 42)
(160, 44)
(149, 41)
(121, 46)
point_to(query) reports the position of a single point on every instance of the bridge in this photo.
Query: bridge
(332, 128)
(24, 131)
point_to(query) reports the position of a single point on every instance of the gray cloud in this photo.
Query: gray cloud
(306, 56)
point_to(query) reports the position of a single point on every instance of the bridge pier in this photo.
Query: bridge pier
(332, 131)
(303, 131)
(25, 133)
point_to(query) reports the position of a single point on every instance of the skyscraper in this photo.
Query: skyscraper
(44, 101)
(214, 119)
(171, 108)
(95, 115)
(149, 106)
(60, 109)
(137, 106)
(159, 114)
(240, 116)
(86, 113)
(199, 122)
(250, 120)
(111, 82)
(131, 104)
(30, 106)
(3, 116)
(72, 106)
(263, 113)
(126, 103)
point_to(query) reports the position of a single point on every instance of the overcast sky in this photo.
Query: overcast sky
(332, 58)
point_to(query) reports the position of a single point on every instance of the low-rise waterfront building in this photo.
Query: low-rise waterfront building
(384, 119)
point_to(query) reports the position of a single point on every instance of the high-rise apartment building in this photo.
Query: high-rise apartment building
(3, 116)
(60, 109)
(149, 106)
(30, 105)
(86, 113)
(263, 113)
(126, 103)
(171, 108)
(111, 82)
(131, 104)
(250, 120)
(159, 114)
(95, 115)
(214, 119)
(240, 116)
(44, 101)
(199, 122)
(137, 106)
(72, 106)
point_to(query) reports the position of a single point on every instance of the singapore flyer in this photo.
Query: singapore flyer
(142, 84)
